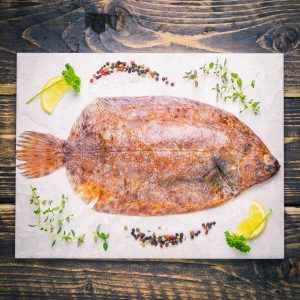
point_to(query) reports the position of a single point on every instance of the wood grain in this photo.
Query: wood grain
(113, 279)
(152, 26)
(265, 26)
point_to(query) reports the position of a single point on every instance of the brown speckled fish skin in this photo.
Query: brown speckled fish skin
(151, 156)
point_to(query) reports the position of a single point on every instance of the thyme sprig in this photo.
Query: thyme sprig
(192, 75)
(52, 219)
(98, 235)
(230, 86)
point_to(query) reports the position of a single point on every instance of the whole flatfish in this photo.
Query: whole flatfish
(149, 156)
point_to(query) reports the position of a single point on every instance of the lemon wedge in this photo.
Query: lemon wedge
(254, 224)
(55, 88)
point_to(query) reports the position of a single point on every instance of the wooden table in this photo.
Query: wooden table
(150, 26)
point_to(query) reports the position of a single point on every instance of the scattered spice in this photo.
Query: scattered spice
(167, 240)
(131, 67)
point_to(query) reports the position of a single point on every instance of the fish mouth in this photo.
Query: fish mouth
(277, 165)
(272, 165)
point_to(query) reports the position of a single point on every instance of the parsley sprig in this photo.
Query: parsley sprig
(69, 76)
(52, 219)
(240, 241)
(229, 86)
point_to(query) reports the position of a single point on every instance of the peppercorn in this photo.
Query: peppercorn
(172, 84)
(91, 80)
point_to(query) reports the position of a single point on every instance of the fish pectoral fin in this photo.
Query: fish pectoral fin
(90, 191)
(87, 190)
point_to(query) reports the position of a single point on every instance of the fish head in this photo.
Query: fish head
(270, 165)
(243, 167)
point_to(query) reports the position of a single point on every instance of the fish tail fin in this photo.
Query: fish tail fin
(41, 154)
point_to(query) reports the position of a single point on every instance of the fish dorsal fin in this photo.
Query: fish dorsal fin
(103, 109)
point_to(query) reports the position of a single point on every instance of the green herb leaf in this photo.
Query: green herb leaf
(71, 78)
(105, 246)
(103, 236)
(98, 228)
(255, 106)
(211, 65)
(73, 232)
(224, 77)
(237, 241)
(239, 82)
(31, 225)
(80, 240)
(53, 243)
(253, 83)
(37, 211)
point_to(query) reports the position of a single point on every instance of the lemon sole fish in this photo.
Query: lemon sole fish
(152, 156)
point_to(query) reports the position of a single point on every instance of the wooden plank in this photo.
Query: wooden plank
(51, 279)
(113, 279)
(153, 26)
(7, 144)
